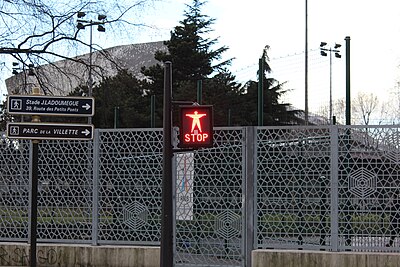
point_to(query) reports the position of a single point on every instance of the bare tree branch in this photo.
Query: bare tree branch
(41, 31)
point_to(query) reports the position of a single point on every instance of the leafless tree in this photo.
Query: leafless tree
(364, 106)
(339, 110)
(339, 107)
(392, 107)
(42, 31)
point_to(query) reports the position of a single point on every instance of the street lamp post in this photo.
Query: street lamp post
(100, 27)
(324, 53)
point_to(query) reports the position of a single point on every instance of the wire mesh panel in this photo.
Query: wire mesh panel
(130, 178)
(369, 199)
(14, 189)
(293, 187)
(209, 208)
(65, 191)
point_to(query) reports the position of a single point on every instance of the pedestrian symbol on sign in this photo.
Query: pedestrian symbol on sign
(16, 104)
(14, 130)
(196, 126)
(196, 120)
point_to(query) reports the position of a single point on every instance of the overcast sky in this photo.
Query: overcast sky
(246, 27)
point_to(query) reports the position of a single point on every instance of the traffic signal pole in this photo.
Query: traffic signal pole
(196, 131)
(167, 247)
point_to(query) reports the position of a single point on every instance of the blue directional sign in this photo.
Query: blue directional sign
(50, 105)
(59, 131)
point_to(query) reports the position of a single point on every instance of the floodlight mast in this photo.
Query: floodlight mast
(324, 53)
(82, 24)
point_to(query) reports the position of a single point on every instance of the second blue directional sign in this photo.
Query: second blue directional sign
(50, 105)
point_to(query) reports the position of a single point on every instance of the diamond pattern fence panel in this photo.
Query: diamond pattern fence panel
(14, 189)
(328, 188)
(293, 187)
(130, 185)
(209, 208)
(64, 191)
(368, 188)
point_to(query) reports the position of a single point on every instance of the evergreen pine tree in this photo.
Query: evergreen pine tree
(120, 102)
(275, 113)
(192, 55)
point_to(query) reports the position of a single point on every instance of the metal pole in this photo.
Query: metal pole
(199, 91)
(348, 97)
(152, 111)
(34, 191)
(260, 91)
(334, 197)
(90, 84)
(249, 157)
(116, 117)
(167, 251)
(330, 87)
(33, 211)
(348, 168)
(306, 69)
(96, 187)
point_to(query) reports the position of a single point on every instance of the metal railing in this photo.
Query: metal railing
(317, 187)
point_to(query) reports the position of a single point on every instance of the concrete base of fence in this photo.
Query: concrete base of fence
(17, 254)
(302, 258)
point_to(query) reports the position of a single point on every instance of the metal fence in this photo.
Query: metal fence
(333, 188)
(321, 188)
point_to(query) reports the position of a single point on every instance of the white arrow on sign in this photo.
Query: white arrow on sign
(86, 106)
(86, 132)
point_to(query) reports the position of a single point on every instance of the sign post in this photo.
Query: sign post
(37, 105)
(34, 200)
(34, 191)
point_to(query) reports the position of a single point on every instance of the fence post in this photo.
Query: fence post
(249, 165)
(30, 191)
(95, 180)
(334, 188)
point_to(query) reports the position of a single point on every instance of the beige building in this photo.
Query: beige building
(62, 77)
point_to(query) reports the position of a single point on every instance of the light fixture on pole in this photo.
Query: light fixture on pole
(324, 53)
(15, 68)
(100, 27)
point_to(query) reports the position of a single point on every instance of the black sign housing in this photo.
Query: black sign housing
(196, 126)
